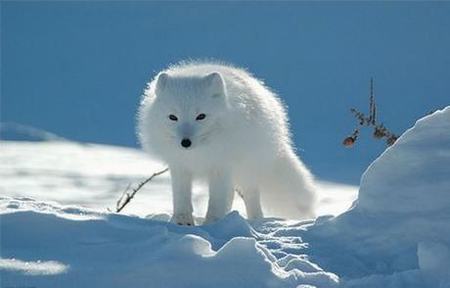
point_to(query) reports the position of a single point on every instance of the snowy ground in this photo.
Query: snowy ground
(396, 235)
(94, 176)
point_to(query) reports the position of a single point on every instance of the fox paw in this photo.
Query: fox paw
(183, 219)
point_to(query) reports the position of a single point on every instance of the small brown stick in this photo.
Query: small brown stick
(126, 196)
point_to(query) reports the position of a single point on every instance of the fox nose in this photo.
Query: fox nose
(186, 143)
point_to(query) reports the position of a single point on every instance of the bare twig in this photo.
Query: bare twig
(127, 196)
(380, 131)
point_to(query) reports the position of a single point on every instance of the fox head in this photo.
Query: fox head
(182, 113)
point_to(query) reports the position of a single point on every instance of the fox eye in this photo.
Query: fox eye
(173, 117)
(200, 116)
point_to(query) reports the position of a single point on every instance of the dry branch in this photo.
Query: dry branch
(380, 131)
(127, 196)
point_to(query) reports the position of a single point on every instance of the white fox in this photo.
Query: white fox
(218, 123)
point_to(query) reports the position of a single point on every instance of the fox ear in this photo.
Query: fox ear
(215, 81)
(162, 81)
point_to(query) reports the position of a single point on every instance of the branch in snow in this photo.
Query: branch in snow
(127, 196)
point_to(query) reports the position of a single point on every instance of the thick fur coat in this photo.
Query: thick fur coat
(219, 123)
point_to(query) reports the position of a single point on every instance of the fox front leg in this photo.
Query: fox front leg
(182, 196)
(221, 194)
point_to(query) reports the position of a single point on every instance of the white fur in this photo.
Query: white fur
(243, 143)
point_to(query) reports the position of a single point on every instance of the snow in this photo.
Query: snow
(413, 175)
(434, 259)
(398, 231)
(108, 250)
(33, 268)
(94, 176)
(56, 232)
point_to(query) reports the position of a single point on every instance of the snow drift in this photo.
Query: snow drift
(398, 232)
(47, 245)
(414, 175)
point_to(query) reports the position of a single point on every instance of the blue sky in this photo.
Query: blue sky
(77, 68)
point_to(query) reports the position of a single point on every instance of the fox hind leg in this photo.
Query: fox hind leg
(252, 202)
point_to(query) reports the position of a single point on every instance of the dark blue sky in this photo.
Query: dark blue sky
(77, 68)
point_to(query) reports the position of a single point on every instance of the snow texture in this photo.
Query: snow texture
(397, 234)
(107, 250)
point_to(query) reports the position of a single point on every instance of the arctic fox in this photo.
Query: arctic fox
(218, 123)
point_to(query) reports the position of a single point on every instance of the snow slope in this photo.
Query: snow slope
(397, 234)
(105, 250)
(94, 176)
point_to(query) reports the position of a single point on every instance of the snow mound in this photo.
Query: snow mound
(44, 245)
(413, 176)
(398, 232)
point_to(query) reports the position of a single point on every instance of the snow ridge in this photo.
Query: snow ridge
(110, 250)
